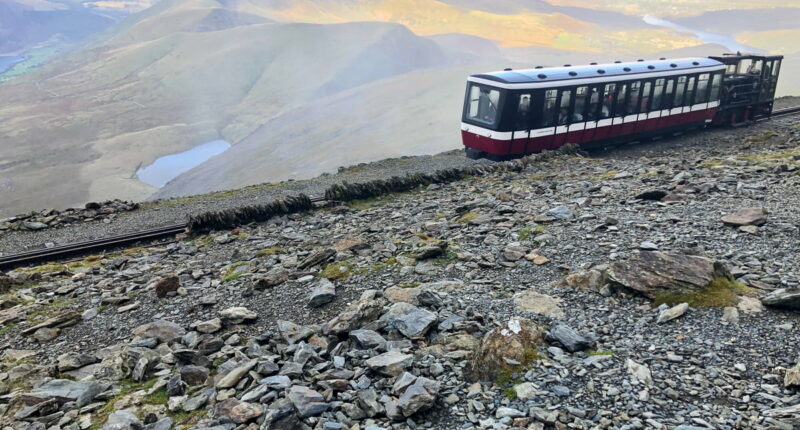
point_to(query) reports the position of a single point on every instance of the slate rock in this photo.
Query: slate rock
(751, 216)
(408, 319)
(63, 390)
(164, 331)
(237, 315)
(652, 273)
(569, 338)
(783, 298)
(237, 411)
(390, 363)
(367, 339)
(323, 293)
(672, 313)
(307, 402)
(167, 285)
(418, 396)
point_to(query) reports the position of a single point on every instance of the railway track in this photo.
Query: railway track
(8, 262)
(62, 252)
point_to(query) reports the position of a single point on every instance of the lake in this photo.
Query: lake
(704, 36)
(168, 167)
(8, 61)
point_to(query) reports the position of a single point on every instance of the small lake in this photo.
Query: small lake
(166, 168)
(8, 61)
(704, 36)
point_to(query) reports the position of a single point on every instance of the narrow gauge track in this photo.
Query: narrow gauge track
(11, 261)
(81, 248)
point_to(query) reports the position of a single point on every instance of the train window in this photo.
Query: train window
(745, 66)
(635, 98)
(644, 101)
(619, 109)
(668, 90)
(563, 110)
(549, 108)
(594, 103)
(658, 91)
(702, 88)
(580, 103)
(608, 100)
(731, 70)
(690, 86)
(680, 89)
(757, 67)
(523, 111)
(716, 83)
(776, 68)
(483, 104)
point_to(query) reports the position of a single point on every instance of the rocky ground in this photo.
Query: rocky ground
(652, 286)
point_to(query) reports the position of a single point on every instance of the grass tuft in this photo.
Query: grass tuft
(467, 217)
(337, 270)
(721, 292)
(266, 252)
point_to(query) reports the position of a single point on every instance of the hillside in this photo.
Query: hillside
(154, 97)
(653, 286)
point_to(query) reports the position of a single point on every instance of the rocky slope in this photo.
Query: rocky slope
(655, 286)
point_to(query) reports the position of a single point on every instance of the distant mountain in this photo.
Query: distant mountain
(23, 26)
(97, 114)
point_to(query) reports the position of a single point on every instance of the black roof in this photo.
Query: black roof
(548, 74)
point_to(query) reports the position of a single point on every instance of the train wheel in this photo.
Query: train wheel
(474, 154)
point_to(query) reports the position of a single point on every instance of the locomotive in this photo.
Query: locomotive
(512, 113)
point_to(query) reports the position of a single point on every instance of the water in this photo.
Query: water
(166, 168)
(8, 61)
(703, 36)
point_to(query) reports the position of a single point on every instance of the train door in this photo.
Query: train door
(521, 127)
(656, 100)
(577, 116)
(632, 108)
(620, 100)
(605, 118)
(665, 120)
(676, 113)
(643, 107)
(543, 128)
(562, 118)
(594, 99)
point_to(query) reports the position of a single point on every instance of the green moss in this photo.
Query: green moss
(337, 270)
(159, 397)
(510, 393)
(230, 277)
(183, 418)
(592, 352)
(426, 238)
(467, 217)
(367, 204)
(763, 137)
(511, 374)
(45, 268)
(525, 233)
(47, 309)
(721, 292)
(611, 174)
(203, 241)
(409, 285)
(448, 257)
(266, 252)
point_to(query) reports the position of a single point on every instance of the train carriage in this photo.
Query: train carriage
(515, 112)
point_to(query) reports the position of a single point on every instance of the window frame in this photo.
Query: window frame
(501, 99)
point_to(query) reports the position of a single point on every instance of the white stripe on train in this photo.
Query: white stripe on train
(522, 134)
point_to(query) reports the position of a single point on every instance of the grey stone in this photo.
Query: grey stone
(75, 360)
(672, 313)
(783, 298)
(237, 315)
(164, 331)
(419, 396)
(64, 390)
(307, 402)
(323, 293)
(569, 338)
(368, 339)
(408, 319)
(390, 363)
(292, 332)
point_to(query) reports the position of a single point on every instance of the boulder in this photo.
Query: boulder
(167, 285)
(367, 339)
(652, 273)
(232, 378)
(366, 310)
(322, 294)
(542, 304)
(307, 402)
(672, 313)
(74, 360)
(408, 319)
(751, 216)
(164, 331)
(792, 377)
(418, 396)
(390, 363)
(569, 338)
(64, 391)
(237, 411)
(271, 279)
(511, 345)
(586, 279)
(237, 315)
(783, 298)
(292, 332)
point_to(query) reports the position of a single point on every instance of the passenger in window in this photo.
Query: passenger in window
(562, 116)
(576, 117)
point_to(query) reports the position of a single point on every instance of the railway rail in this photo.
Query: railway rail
(62, 252)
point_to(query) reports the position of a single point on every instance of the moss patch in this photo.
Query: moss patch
(337, 270)
(592, 352)
(266, 252)
(721, 292)
(467, 217)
